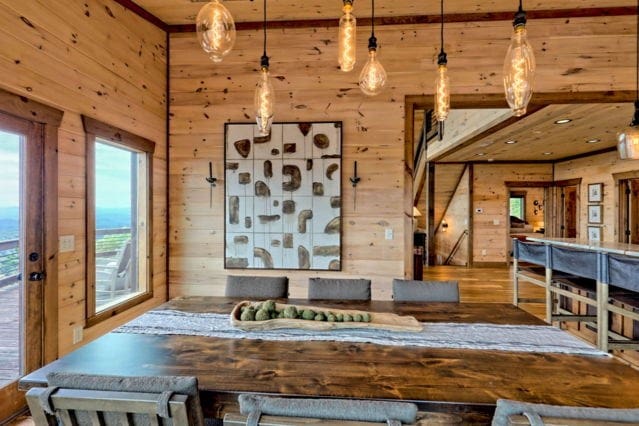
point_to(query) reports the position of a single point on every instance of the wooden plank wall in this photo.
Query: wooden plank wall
(597, 169)
(490, 226)
(572, 55)
(456, 217)
(96, 58)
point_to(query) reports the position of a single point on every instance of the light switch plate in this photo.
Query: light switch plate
(66, 243)
(388, 233)
(495, 221)
(77, 334)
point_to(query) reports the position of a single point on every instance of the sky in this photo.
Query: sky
(113, 173)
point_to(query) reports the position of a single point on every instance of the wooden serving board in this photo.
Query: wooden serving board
(379, 320)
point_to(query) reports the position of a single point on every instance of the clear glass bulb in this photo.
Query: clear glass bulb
(628, 143)
(373, 76)
(347, 40)
(442, 93)
(519, 71)
(264, 102)
(215, 30)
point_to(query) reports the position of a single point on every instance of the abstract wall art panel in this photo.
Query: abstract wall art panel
(283, 196)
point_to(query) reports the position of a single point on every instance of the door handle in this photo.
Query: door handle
(37, 276)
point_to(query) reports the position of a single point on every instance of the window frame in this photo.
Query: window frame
(94, 130)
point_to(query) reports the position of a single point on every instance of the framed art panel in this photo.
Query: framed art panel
(594, 233)
(595, 192)
(595, 213)
(282, 196)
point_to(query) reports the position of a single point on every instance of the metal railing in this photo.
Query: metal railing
(108, 242)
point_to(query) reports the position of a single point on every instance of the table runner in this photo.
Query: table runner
(517, 338)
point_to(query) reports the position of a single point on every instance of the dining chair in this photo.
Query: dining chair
(339, 288)
(334, 411)
(256, 287)
(81, 399)
(508, 411)
(425, 291)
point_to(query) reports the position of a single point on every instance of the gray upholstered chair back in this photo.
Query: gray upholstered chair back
(339, 288)
(529, 252)
(425, 291)
(622, 271)
(79, 399)
(535, 412)
(256, 287)
(394, 413)
(582, 263)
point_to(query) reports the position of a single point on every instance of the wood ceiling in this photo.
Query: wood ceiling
(593, 128)
(181, 12)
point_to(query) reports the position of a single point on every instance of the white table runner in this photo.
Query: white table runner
(517, 338)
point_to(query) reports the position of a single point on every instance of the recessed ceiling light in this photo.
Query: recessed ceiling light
(594, 140)
(510, 142)
(563, 121)
(548, 153)
(480, 154)
(490, 160)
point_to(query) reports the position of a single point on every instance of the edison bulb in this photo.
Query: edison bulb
(264, 101)
(628, 143)
(442, 93)
(519, 71)
(215, 30)
(347, 39)
(373, 76)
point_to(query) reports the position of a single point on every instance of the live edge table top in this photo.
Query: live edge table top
(358, 370)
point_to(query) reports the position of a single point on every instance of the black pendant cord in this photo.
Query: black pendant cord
(372, 41)
(635, 118)
(441, 58)
(264, 59)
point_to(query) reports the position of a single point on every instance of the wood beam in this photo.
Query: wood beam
(422, 19)
(145, 14)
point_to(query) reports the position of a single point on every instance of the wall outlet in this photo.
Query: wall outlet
(388, 233)
(66, 243)
(483, 252)
(77, 334)
(495, 221)
(479, 210)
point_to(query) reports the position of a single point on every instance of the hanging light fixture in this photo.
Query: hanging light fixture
(519, 66)
(628, 139)
(215, 30)
(442, 83)
(347, 38)
(373, 77)
(264, 93)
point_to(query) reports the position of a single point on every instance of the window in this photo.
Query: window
(118, 220)
(518, 206)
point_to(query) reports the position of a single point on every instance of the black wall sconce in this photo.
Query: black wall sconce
(212, 181)
(354, 181)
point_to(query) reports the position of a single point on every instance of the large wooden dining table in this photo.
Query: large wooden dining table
(431, 377)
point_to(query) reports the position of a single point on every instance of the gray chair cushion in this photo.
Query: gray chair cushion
(335, 409)
(339, 288)
(534, 412)
(256, 287)
(425, 291)
(180, 385)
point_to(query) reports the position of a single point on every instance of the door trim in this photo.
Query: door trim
(47, 121)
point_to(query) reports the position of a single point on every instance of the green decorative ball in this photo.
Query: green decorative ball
(308, 314)
(290, 312)
(320, 317)
(366, 317)
(331, 318)
(248, 315)
(348, 318)
(357, 318)
(269, 305)
(340, 317)
(262, 315)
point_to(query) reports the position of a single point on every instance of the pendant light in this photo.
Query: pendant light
(628, 139)
(373, 77)
(442, 83)
(264, 93)
(519, 66)
(347, 38)
(215, 30)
